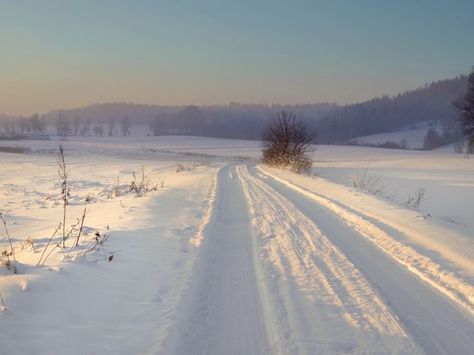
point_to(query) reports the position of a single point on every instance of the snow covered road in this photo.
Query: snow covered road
(431, 320)
(280, 273)
(223, 313)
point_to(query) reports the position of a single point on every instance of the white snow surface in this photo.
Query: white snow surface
(227, 256)
(413, 136)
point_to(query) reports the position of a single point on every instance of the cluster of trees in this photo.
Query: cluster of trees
(23, 125)
(450, 133)
(241, 121)
(432, 140)
(460, 130)
(66, 127)
(465, 106)
(390, 144)
(432, 102)
(333, 123)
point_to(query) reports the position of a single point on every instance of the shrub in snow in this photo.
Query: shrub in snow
(5, 260)
(415, 198)
(12, 252)
(367, 182)
(28, 244)
(141, 184)
(3, 306)
(179, 168)
(287, 143)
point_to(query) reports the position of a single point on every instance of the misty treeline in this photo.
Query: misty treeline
(332, 123)
(10, 126)
(63, 125)
(66, 127)
(433, 102)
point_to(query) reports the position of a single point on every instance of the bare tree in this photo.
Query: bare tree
(76, 125)
(63, 126)
(9, 126)
(24, 124)
(287, 143)
(88, 125)
(125, 124)
(98, 130)
(156, 125)
(111, 126)
(432, 140)
(466, 107)
(38, 124)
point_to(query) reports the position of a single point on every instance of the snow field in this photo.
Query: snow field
(231, 257)
(88, 305)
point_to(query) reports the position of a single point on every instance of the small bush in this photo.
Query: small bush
(415, 198)
(367, 182)
(141, 184)
(179, 168)
(287, 143)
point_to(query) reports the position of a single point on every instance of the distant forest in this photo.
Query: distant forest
(333, 124)
(432, 102)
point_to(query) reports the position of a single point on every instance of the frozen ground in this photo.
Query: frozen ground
(230, 257)
(413, 136)
(447, 178)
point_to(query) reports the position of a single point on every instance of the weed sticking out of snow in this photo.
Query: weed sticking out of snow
(367, 182)
(370, 183)
(65, 239)
(141, 183)
(3, 306)
(7, 257)
(415, 198)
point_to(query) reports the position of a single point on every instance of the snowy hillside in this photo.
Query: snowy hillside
(409, 137)
(372, 253)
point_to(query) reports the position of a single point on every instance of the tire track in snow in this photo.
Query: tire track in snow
(198, 237)
(437, 325)
(426, 269)
(321, 302)
(222, 312)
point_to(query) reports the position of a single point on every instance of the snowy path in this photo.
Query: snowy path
(321, 302)
(224, 313)
(279, 273)
(434, 323)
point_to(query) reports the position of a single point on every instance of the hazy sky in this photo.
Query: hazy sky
(61, 53)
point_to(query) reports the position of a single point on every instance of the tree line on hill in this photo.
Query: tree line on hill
(431, 102)
(333, 124)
